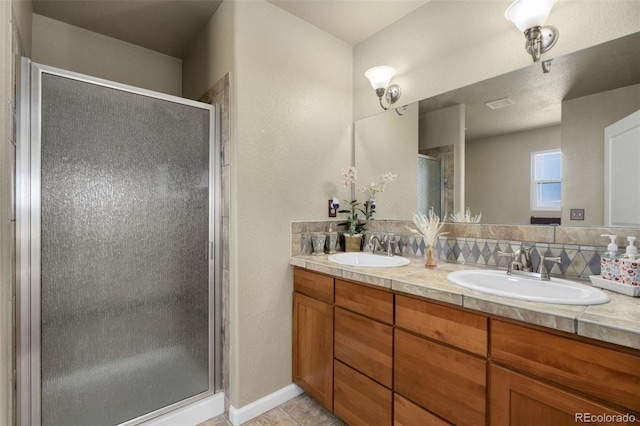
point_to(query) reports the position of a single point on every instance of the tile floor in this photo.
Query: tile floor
(299, 411)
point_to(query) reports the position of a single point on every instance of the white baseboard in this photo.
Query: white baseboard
(192, 414)
(241, 415)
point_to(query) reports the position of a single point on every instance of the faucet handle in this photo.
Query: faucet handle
(542, 269)
(392, 247)
(512, 258)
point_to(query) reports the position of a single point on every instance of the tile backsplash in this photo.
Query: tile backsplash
(579, 248)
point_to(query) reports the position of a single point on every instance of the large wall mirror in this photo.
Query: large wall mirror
(488, 138)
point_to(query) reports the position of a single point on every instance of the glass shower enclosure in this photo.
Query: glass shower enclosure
(117, 268)
(430, 185)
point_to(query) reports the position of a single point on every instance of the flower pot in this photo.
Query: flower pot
(352, 243)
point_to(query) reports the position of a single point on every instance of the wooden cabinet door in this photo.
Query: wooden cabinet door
(519, 400)
(313, 348)
(455, 327)
(406, 413)
(445, 381)
(365, 345)
(358, 400)
(603, 373)
(313, 284)
(371, 302)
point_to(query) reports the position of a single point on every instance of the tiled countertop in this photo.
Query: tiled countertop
(615, 322)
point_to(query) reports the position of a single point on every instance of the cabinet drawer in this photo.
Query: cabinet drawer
(446, 381)
(358, 400)
(456, 327)
(371, 302)
(597, 371)
(313, 284)
(406, 413)
(365, 345)
(520, 400)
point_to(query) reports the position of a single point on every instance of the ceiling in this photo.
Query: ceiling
(349, 20)
(169, 26)
(538, 96)
(161, 25)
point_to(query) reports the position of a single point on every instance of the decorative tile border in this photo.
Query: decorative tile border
(580, 248)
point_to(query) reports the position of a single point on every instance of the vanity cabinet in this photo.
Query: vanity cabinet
(313, 335)
(440, 360)
(559, 376)
(378, 357)
(363, 352)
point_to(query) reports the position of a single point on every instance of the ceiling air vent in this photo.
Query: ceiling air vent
(500, 103)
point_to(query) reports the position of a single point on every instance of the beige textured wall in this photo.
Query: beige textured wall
(75, 49)
(389, 143)
(293, 135)
(583, 123)
(449, 44)
(6, 151)
(210, 56)
(23, 12)
(499, 171)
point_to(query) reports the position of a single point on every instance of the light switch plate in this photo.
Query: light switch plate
(576, 214)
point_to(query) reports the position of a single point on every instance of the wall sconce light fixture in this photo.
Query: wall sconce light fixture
(530, 16)
(380, 78)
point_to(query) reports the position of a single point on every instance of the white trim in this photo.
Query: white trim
(624, 126)
(192, 414)
(238, 416)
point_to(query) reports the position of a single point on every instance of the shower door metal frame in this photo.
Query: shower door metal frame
(28, 240)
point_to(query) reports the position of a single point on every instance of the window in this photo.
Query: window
(546, 180)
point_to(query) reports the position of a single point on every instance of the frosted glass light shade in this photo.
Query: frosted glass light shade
(529, 13)
(379, 77)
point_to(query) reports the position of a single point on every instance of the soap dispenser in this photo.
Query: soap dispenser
(630, 265)
(609, 262)
(632, 251)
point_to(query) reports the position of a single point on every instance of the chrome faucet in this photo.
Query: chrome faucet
(384, 244)
(520, 260)
(520, 264)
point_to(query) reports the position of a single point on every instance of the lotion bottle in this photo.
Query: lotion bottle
(610, 262)
(630, 265)
(632, 250)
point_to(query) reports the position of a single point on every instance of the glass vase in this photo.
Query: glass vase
(318, 242)
(431, 257)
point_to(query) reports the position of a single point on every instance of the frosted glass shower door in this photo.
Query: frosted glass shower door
(126, 247)
(430, 182)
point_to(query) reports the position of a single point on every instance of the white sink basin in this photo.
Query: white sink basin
(369, 260)
(529, 288)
